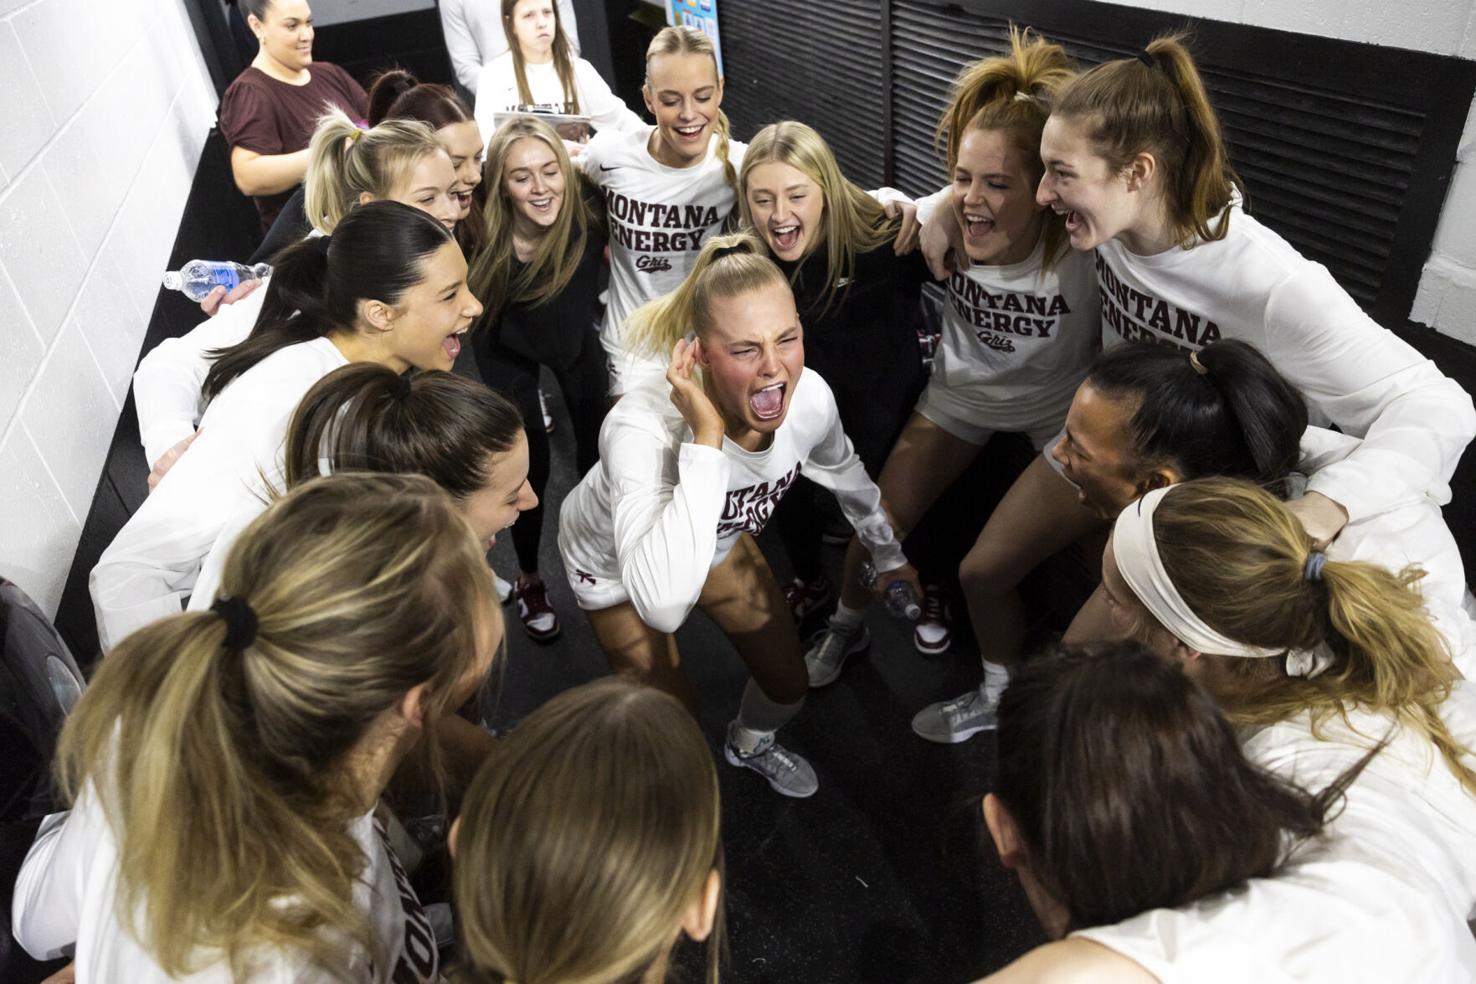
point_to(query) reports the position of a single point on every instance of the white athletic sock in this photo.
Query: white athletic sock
(996, 678)
(846, 617)
(759, 717)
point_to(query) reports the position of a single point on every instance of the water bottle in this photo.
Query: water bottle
(900, 600)
(198, 278)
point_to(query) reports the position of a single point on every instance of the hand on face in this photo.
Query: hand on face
(688, 396)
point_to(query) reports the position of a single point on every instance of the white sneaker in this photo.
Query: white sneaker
(788, 773)
(949, 722)
(831, 649)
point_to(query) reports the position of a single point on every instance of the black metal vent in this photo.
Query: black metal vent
(1346, 149)
(822, 65)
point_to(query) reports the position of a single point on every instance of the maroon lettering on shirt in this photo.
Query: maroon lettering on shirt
(747, 510)
(995, 317)
(1139, 317)
(654, 227)
(419, 959)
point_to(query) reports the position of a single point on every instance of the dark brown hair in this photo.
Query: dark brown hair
(365, 417)
(1129, 788)
(1128, 107)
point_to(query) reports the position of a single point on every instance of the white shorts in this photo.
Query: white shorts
(938, 404)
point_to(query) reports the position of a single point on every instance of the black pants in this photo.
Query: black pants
(585, 386)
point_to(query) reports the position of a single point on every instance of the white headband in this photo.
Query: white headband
(1136, 550)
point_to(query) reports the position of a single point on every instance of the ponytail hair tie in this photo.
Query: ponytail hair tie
(321, 244)
(1198, 366)
(402, 387)
(718, 254)
(1146, 58)
(240, 622)
(1312, 570)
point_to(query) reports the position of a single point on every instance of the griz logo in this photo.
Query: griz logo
(747, 510)
(653, 264)
(996, 317)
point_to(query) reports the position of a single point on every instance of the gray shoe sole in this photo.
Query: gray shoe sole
(950, 737)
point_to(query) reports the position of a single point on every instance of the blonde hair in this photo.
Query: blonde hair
(225, 772)
(1013, 93)
(563, 58)
(727, 267)
(494, 278)
(854, 222)
(585, 837)
(684, 40)
(345, 161)
(1238, 557)
(1128, 107)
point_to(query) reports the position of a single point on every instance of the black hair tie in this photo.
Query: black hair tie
(240, 622)
(1146, 58)
(321, 244)
(718, 254)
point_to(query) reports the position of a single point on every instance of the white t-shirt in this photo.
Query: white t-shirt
(1254, 286)
(657, 512)
(1017, 341)
(1385, 898)
(474, 34)
(151, 565)
(497, 92)
(1409, 530)
(658, 217)
(66, 900)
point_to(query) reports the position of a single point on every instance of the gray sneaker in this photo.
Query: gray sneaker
(788, 773)
(949, 722)
(826, 657)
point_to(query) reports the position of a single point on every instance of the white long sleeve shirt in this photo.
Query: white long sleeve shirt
(497, 92)
(658, 512)
(167, 382)
(151, 565)
(1386, 897)
(65, 903)
(474, 34)
(1254, 286)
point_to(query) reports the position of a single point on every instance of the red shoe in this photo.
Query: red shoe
(539, 619)
(805, 597)
(933, 633)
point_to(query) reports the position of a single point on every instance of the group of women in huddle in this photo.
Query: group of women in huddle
(1266, 692)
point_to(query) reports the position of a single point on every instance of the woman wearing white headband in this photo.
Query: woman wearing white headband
(1327, 658)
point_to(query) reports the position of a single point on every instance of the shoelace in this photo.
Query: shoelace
(774, 753)
(960, 706)
(932, 604)
(833, 648)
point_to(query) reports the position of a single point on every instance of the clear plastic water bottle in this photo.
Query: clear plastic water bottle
(898, 596)
(198, 278)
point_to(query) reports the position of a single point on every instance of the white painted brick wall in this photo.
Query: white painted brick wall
(106, 107)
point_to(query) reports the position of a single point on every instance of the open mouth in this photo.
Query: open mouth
(977, 226)
(786, 237)
(1074, 222)
(451, 344)
(689, 133)
(542, 206)
(463, 200)
(768, 403)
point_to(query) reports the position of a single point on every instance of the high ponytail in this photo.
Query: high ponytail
(385, 88)
(345, 162)
(317, 284)
(1223, 412)
(1128, 107)
(727, 266)
(1239, 559)
(223, 760)
(366, 417)
(1012, 93)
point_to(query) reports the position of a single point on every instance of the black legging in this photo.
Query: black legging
(584, 385)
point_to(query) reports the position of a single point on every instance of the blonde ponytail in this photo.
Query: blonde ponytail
(1239, 558)
(224, 765)
(727, 266)
(345, 161)
(1129, 106)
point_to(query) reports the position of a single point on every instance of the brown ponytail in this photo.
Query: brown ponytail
(1129, 108)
